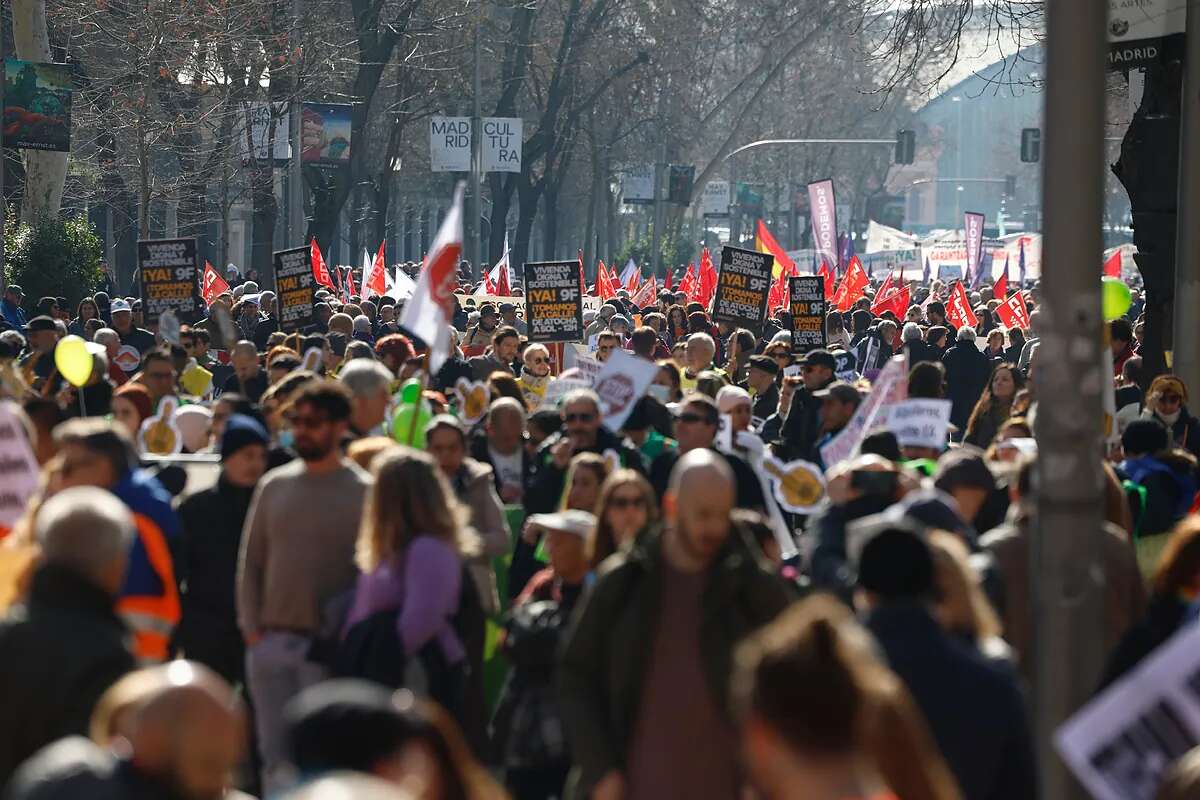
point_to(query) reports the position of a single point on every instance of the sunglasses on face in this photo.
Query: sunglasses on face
(585, 417)
(540, 360)
(1172, 398)
(807, 368)
(690, 418)
(307, 421)
(627, 502)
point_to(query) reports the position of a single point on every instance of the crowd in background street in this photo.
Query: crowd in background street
(523, 602)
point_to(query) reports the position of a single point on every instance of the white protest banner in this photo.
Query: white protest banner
(502, 141)
(723, 441)
(890, 387)
(450, 144)
(257, 143)
(19, 469)
(620, 384)
(1121, 742)
(881, 237)
(559, 388)
(920, 423)
(576, 356)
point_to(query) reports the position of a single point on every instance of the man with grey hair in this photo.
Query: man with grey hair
(65, 645)
(582, 433)
(370, 385)
(916, 347)
(968, 371)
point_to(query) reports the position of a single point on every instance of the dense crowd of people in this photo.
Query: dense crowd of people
(520, 601)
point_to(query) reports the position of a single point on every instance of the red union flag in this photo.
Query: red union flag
(320, 271)
(1013, 312)
(429, 313)
(212, 285)
(958, 308)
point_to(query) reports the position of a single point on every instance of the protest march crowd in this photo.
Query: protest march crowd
(740, 534)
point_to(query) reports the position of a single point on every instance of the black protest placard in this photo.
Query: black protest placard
(295, 288)
(168, 279)
(742, 288)
(807, 305)
(553, 304)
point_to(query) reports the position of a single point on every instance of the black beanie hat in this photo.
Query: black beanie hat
(242, 431)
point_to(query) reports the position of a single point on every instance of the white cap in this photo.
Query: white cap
(119, 305)
(580, 523)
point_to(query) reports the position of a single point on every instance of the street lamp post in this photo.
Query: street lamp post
(958, 148)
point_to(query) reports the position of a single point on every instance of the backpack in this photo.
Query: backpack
(372, 650)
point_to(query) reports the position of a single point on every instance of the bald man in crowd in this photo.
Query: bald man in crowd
(182, 741)
(683, 598)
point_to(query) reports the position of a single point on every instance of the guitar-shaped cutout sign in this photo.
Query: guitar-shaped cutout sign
(473, 399)
(159, 435)
(798, 485)
(312, 359)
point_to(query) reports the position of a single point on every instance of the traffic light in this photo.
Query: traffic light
(1031, 145)
(679, 183)
(906, 146)
(1010, 185)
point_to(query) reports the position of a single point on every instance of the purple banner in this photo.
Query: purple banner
(973, 234)
(824, 220)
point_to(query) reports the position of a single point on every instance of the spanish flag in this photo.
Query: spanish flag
(764, 242)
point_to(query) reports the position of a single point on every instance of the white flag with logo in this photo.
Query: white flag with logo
(429, 313)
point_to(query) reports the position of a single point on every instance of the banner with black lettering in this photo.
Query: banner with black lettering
(807, 305)
(742, 287)
(294, 287)
(167, 278)
(553, 305)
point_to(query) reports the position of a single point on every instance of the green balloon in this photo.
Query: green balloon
(410, 392)
(1115, 298)
(410, 431)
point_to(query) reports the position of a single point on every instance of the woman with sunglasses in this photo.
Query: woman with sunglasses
(1167, 402)
(535, 374)
(627, 505)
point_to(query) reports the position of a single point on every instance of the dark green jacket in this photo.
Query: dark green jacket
(604, 662)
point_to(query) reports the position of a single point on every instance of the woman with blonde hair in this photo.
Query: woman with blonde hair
(820, 716)
(412, 543)
(627, 505)
(586, 473)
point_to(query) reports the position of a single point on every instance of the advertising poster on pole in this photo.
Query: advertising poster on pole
(37, 105)
(325, 133)
(167, 273)
(807, 306)
(742, 287)
(295, 288)
(553, 305)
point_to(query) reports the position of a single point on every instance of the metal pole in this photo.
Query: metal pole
(476, 205)
(3, 199)
(958, 131)
(1186, 347)
(1067, 585)
(656, 231)
(296, 228)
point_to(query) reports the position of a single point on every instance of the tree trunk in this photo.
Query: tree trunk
(527, 198)
(265, 208)
(1149, 170)
(45, 172)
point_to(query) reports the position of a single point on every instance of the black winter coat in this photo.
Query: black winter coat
(59, 651)
(967, 373)
(206, 568)
(974, 706)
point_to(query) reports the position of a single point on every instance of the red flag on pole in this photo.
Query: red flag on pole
(351, 289)
(1013, 313)
(646, 293)
(1000, 288)
(896, 301)
(604, 284)
(429, 313)
(958, 308)
(320, 271)
(582, 283)
(667, 282)
(375, 284)
(1112, 265)
(212, 284)
(502, 287)
(827, 273)
(708, 279)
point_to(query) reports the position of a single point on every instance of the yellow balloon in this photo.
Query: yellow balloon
(73, 360)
